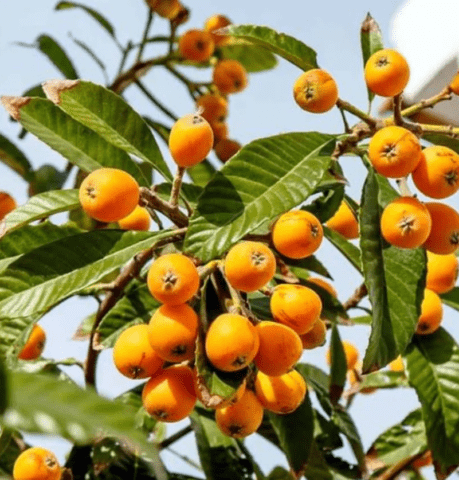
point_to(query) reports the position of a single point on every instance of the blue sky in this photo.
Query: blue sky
(265, 108)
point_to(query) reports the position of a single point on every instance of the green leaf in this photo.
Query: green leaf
(370, 42)
(110, 116)
(348, 249)
(44, 277)
(79, 144)
(310, 264)
(47, 178)
(201, 173)
(57, 55)
(319, 381)
(10, 448)
(4, 389)
(327, 204)
(41, 206)
(279, 473)
(338, 368)
(93, 13)
(433, 370)
(253, 58)
(395, 279)
(383, 380)
(449, 142)
(287, 47)
(295, 431)
(13, 157)
(42, 404)
(451, 298)
(264, 179)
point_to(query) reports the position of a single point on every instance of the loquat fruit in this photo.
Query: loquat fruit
(442, 271)
(297, 234)
(35, 344)
(431, 313)
(165, 8)
(36, 463)
(351, 353)
(138, 219)
(196, 45)
(109, 194)
(249, 266)
(316, 336)
(315, 91)
(229, 76)
(454, 85)
(444, 235)
(7, 204)
(344, 222)
(214, 107)
(214, 23)
(325, 285)
(406, 222)
(220, 131)
(173, 279)
(226, 148)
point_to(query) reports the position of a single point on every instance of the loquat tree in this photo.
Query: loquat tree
(204, 266)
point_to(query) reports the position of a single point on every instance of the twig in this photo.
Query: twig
(398, 119)
(191, 86)
(445, 94)
(176, 436)
(155, 101)
(173, 213)
(355, 298)
(358, 133)
(145, 35)
(177, 183)
(392, 472)
(368, 119)
(447, 130)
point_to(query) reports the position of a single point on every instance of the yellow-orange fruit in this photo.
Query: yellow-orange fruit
(36, 463)
(165, 8)
(191, 139)
(351, 353)
(172, 332)
(437, 173)
(7, 204)
(280, 348)
(325, 285)
(229, 76)
(169, 396)
(249, 266)
(138, 219)
(231, 342)
(196, 45)
(387, 73)
(215, 22)
(454, 85)
(214, 107)
(296, 306)
(315, 91)
(442, 271)
(344, 222)
(394, 151)
(133, 355)
(444, 235)
(316, 336)
(226, 148)
(397, 365)
(35, 344)
(241, 418)
(173, 279)
(109, 194)
(297, 234)
(431, 313)
(406, 222)
(282, 394)
(220, 131)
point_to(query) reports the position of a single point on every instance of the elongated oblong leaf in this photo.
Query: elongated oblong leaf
(338, 367)
(47, 275)
(57, 55)
(451, 298)
(41, 206)
(433, 370)
(79, 144)
(395, 279)
(370, 42)
(13, 157)
(253, 57)
(266, 178)
(287, 47)
(110, 116)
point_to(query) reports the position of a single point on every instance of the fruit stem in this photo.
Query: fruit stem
(368, 119)
(144, 36)
(448, 130)
(445, 94)
(208, 269)
(152, 200)
(176, 436)
(402, 184)
(359, 294)
(397, 105)
(177, 183)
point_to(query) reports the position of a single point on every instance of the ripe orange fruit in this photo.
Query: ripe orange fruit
(215, 22)
(249, 266)
(296, 306)
(282, 394)
(406, 223)
(394, 151)
(344, 222)
(229, 76)
(315, 91)
(351, 353)
(437, 174)
(387, 73)
(397, 365)
(220, 131)
(431, 313)
(196, 45)
(297, 234)
(169, 396)
(191, 139)
(7, 204)
(280, 348)
(173, 279)
(316, 336)
(214, 107)
(36, 463)
(444, 235)
(172, 332)
(138, 219)
(325, 285)
(165, 8)
(442, 271)
(454, 85)
(35, 344)
(109, 194)
(226, 148)
(241, 418)
(133, 355)
(231, 342)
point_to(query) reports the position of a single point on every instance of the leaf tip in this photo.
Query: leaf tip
(369, 25)
(14, 104)
(54, 88)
